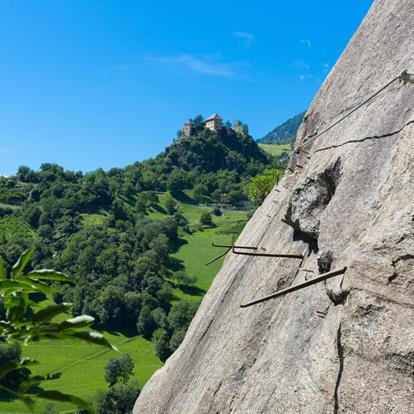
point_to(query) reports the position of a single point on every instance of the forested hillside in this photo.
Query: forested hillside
(285, 132)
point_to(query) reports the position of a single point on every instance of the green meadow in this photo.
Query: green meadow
(275, 149)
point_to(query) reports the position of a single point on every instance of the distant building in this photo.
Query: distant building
(240, 128)
(188, 128)
(214, 122)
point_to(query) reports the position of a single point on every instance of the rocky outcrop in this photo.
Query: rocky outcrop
(345, 345)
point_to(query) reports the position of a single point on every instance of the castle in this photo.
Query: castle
(215, 123)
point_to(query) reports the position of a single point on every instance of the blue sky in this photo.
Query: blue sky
(91, 84)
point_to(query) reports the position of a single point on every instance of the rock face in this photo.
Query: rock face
(348, 202)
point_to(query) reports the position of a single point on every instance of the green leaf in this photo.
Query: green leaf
(49, 274)
(3, 274)
(22, 261)
(77, 322)
(94, 338)
(14, 284)
(58, 396)
(5, 369)
(40, 286)
(25, 398)
(50, 312)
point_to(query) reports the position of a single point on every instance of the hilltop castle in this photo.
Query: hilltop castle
(215, 123)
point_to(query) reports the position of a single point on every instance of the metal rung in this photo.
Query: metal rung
(231, 246)
(289, 256)
(217, 258)
(299, 286)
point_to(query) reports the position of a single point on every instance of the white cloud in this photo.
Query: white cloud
(302, 77)
(248, 38)
(299, 64)
(306, 42)
(201, 65)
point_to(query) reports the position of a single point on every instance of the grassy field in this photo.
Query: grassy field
(15, 226)
(275, 149)
(83, 364)
(197, 248)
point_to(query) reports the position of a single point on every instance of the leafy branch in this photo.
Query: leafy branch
(23, 320)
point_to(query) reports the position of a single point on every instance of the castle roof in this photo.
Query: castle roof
(213, 116)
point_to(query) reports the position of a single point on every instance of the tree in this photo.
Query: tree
(181, 314)
(160, 318)
(235, 196)
(176, 181)
(170, 205)
(23, 173)
(161, 341)
(206, 219)
(199, 192)
(184, 279)
(112, 301)
(149, 198)
(140, 205)
(145, 323)
(217, 212)
(177, 338)
(119, 399)
(119, 369)
(261, 185)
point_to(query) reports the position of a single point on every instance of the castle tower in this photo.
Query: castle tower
(214, 122)
(240, 128)
(188, 128)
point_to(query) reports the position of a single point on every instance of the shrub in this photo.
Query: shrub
(119, 369)
(217, 212)
(206, 219)
(184, 279)
(170, 205)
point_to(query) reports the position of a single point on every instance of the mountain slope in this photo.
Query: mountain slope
(208, 152)
(284, 132)
(341, 346)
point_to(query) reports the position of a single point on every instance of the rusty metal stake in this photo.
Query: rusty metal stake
(299, 286)
(231, 246)
(217, 258)
(289, 256)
